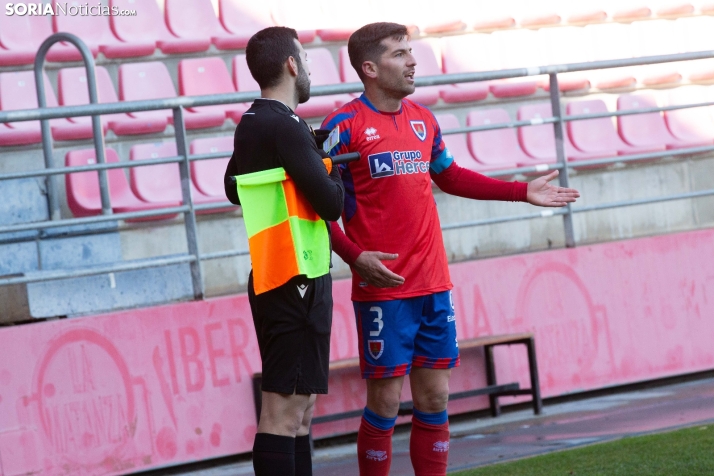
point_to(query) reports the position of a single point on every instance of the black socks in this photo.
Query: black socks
(303, 456)
(275, 455)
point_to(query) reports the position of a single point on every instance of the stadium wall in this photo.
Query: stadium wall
(160, 386)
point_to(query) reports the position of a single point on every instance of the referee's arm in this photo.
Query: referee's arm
(302, 161)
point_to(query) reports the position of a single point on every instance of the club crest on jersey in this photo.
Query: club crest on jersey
(419, 129)
(376, 348)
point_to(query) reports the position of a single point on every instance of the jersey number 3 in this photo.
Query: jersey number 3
(378, 320)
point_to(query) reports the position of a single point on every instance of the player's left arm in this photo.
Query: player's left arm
(456, 180)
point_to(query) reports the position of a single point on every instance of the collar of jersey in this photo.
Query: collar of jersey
(364, 99)
(277, 100)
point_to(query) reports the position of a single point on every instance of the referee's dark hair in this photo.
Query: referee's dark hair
(365, 44)
(267, 52)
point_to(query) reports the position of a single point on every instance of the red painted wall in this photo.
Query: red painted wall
(159, 386)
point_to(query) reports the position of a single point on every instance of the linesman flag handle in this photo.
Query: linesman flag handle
(338, 159)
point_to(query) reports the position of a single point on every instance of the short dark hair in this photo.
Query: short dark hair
(365, 44)
(267, 52)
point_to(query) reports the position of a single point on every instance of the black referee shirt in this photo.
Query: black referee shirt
(271, 135)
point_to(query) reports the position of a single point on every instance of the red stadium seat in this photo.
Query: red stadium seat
(465, 54)
(323, 71)
(83, 188)
(20, 37)
(538, 141)
(17, 91)
(693, 126)
(207, 175)
(244, 18)
(347, 72)
(151, 80)
(72, 91)
(540, 19)
(457, 145)
(597, 136)
(497, 148)
(631, 12)
(195, 19)
(96, 33)
(242, 78)
(202, 76)
(585, 17)
(148, 26)
(646, 130)
(517, 49)
(566, 45)
(447, 18)
(675, 9)
(161, 183)
(304, 16)
(695, 35)
(656, 38)
(610, 41)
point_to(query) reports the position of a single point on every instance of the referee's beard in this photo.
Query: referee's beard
(302, 85)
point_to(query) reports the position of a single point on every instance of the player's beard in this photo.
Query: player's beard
(397, 87)
(302, 85)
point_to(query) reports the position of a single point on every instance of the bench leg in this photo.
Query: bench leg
(257, 396)
(535, 382)
(491, 380)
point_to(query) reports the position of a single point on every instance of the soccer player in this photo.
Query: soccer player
(292, 321)
(405, 314)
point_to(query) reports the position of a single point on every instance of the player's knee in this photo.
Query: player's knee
(432, 400)
(384, 403)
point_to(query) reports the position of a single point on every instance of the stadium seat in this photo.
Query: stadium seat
(345, 18)
(457, 145)
(694, 126)
(161, 183)
(20, 37)
(243, 18)
(195, 19)
(656, 38)
(675, 9)
(465, 54)
(203, 76)
(96, 33)
(17, 91)
(304, 16)
(631, 12)
(72, 91)
(607, 42)
(207, 175)
(447, 18)
(647, 130)
(83, 188)
(496, 148)
(540, 19)
(586, 17)
(517, 49)
(148, 26)
(538, 141)
(151, 80)
(597, 136)
(695, 35)
(323, 71)
(566, 45)
(347, 72)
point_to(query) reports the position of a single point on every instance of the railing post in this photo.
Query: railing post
(189, 216)
(52, 196)
(558, 127)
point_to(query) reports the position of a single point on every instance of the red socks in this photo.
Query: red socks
(374, 449)
(429, 447)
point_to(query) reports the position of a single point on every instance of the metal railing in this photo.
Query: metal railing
(189, 209)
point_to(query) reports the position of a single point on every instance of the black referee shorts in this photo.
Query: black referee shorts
(293, 324)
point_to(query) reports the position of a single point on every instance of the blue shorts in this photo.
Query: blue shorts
(394, 335)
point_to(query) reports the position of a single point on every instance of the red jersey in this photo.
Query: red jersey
(389, 205)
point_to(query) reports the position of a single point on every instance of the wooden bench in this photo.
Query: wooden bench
(492, 389)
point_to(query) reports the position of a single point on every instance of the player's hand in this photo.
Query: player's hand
(543, 194)
(370, 267)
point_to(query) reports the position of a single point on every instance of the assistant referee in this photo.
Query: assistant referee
(293, 321)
